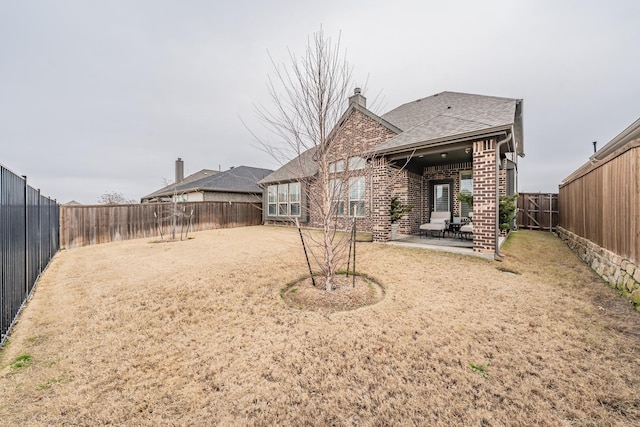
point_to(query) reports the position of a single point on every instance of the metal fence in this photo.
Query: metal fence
(29, 230)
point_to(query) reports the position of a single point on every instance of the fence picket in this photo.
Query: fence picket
(88, 225)
(28, 240)
(538, 211)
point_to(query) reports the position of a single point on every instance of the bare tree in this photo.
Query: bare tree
(114, 198)
(308, 97)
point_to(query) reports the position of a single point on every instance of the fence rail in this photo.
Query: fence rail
(89, 225)
(29, 226)
(538, 211)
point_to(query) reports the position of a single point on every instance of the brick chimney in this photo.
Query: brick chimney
(357, 98)
(179, 170)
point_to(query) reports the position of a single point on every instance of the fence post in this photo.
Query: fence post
(550, 213)
(26, 237)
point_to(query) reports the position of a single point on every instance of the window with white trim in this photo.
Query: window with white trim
(356, 196)
(284, 200)
(294, 199)
(272, 200)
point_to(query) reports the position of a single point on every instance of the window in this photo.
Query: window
(356, 196)
(284, 199)
(466, 186)
(441, 198)
(336, 166)
(356, 163)
(283, 196)
(337, 196)
(294, 199)
(272, 200)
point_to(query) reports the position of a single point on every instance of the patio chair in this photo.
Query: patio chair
(439, 222)
(466, 230)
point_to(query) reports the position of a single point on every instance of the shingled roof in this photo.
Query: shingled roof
(169, 189)
(241, 179)
(303, 166)
(440, 118)
(448, 115)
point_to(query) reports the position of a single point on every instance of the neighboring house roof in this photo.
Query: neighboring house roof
(448, 116)
(241, 179)
(303, 166)
(169, 189)
(72, 203)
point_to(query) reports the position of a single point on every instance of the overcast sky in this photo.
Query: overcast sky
(100, 96)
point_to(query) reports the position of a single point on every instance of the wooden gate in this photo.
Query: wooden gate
(538, 211)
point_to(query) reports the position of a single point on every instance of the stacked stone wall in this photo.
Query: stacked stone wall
(619, 273)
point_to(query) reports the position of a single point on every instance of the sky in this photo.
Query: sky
(104, 95)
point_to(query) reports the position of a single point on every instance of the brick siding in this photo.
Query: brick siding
(484, 195)
(357, 134)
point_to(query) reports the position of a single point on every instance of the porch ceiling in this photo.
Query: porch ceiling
(416, 162)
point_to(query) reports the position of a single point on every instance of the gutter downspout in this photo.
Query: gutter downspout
(497, 255)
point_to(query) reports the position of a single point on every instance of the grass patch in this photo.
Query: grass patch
(50, 382)
(21, 361)
(480, 369)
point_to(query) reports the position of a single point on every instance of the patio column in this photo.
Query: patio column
(381, 200)
(484, 196)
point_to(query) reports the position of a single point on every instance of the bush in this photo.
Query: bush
(398, 210)
(507, 211)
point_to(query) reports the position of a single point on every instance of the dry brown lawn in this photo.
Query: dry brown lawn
(196, 333)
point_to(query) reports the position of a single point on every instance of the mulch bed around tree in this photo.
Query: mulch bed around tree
(347, 293)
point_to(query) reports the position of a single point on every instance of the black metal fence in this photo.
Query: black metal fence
(29, 237)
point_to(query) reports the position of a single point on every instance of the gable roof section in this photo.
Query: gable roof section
(302, 166)
(169, 189)
(449, 116)
(241, 179)
(353, 107)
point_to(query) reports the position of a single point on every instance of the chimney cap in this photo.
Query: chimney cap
(357, 91)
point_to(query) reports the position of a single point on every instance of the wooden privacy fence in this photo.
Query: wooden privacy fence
(538, 211)
(601, 203)
(89, 225)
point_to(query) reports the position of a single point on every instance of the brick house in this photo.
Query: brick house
(424, 152)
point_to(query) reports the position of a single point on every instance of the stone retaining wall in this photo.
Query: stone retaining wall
(620, 273)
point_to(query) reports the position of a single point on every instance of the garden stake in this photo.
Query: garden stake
(313, 281)
(355, 226)
(350, 243)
